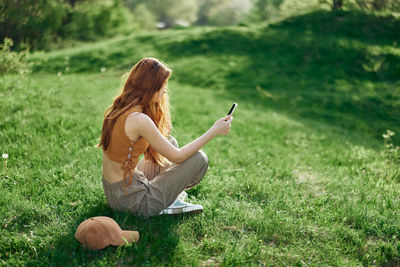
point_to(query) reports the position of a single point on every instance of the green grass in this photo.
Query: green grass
(302, 179)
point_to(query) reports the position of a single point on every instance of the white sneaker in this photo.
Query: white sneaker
(180, 206)
(182, 196)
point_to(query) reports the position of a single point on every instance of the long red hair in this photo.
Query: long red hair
(147, 77)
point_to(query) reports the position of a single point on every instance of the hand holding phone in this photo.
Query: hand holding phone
(234, 105)
(223, 125)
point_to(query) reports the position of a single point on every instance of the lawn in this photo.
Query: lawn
(304, 177)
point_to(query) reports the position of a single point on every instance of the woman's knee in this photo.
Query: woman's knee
(201, 161)
(201, 157)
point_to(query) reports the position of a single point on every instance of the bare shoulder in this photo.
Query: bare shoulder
(136, 123)
(137, 118)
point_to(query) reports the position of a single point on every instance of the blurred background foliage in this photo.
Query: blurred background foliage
(46, 24)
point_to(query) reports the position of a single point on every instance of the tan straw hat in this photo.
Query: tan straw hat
(100, 232)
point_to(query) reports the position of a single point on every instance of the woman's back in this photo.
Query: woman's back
(124, 149)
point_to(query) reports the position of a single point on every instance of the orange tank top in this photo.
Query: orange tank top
(122, 149)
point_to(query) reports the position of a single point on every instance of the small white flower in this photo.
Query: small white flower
(5, 156)
(103, 69)
(390, 133)
(59, 73)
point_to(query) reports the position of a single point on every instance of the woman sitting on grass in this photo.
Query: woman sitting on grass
(139, 122)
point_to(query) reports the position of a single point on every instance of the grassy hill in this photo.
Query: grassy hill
(342, 68)
(303, 178)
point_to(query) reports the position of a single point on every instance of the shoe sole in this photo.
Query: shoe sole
(195, 211)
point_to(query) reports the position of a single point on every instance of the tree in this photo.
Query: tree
(263, 10)
(171, 11)
(30, 21)
(337, 4)
(90, 20)
(229, 13)
(222, 12)
(205, 8)
(144, 19)
(373, 5)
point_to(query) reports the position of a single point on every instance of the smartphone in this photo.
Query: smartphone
(234, 105)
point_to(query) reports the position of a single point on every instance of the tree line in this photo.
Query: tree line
(35, 24)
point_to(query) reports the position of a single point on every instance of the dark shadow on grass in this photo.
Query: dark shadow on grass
(352, 25)
(158, 239)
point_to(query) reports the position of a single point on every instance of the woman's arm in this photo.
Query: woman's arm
(144, 126)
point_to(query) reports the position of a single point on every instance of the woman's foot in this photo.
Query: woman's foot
(179, 207)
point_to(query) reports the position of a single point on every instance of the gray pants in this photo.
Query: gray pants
(154, 187)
